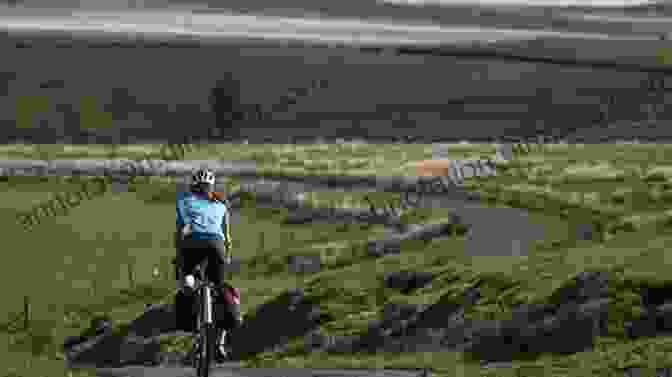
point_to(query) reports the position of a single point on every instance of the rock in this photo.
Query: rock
(585, 232)
(426, 372)
(138, 345)
(410, 327)
(317, 341)
(304, 264)
(440, 151)
(290, 190)
(374, 339)
(343, 344)
(406, 281)
(234, 266)
(664, 317)
(392, 244)
(172, 359)
(119, 186)
(427, 340)
(653, 321)
(138, 350)
(445, 312)
(398, 311)
(655, 296)
(263, 331)
(583, 287)
(532, 313)
(644, 327)
(569, 324)
(73, 340)
(380, 249)
(571, 329)
(460, 334)
(99, 325)
(300, 218)
(504, 152)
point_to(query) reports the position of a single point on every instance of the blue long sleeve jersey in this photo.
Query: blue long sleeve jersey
(206, 216)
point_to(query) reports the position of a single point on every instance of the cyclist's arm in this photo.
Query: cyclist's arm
(226, 226)
(181, 229)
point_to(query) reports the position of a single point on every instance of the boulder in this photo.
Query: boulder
(138, 344)
(392, 243)
(570, 322)
(304, 264)
(653, 321)
(317, 341)
(583, 287)
(504, 152)
(571, 329)
(399, 310)
(408, 327)
(440, 151)
(99, 325)
(263, 331)
(585, 231)
(406, 281)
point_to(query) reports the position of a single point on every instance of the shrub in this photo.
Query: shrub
(585, 172)
(618, 196)
(666, 196)
(626, 224)
(658, 174)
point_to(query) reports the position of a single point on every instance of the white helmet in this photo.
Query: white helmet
(203, 176)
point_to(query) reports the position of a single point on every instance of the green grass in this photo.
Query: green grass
(77, 263)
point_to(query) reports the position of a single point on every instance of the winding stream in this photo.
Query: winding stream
(494, 230)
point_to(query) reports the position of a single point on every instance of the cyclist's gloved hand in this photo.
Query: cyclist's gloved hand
(186, 230)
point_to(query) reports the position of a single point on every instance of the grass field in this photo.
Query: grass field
(76, 265)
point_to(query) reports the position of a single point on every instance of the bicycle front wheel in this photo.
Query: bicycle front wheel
(205, 350)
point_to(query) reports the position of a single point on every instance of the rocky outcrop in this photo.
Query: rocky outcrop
(274, 323)
(656, 315)
(392, 243)
(100, 325)
(574, 315)
(306, 215)
(134, 344)
(567, 322)
(246, 170)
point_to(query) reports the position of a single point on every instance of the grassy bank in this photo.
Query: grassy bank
(78, 263)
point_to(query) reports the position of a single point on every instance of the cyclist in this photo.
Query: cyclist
(203, 232)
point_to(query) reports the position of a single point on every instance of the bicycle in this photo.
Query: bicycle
(205, 331)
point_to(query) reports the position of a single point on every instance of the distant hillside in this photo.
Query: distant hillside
(80, 93)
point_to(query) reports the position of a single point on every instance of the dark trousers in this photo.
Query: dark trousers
(191, 253)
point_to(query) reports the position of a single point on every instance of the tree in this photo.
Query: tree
(226, 105)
